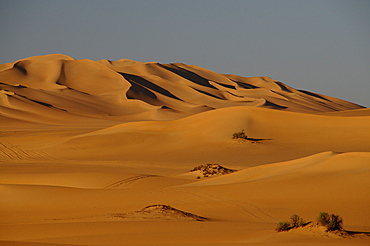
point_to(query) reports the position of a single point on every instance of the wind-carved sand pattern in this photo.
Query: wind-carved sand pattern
(159, 212)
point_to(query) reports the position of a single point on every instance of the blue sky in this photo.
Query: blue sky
(317, 45)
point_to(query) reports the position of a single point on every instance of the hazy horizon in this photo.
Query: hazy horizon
(319, 46)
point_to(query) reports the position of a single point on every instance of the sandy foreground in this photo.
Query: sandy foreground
(86, 162)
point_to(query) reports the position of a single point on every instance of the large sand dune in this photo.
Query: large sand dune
(99, 153)
(49, 89)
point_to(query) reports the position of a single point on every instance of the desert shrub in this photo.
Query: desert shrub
(335, 223)
(323, 218)
(332, 222)
(240, 134)
(283, 226)
(297, 221)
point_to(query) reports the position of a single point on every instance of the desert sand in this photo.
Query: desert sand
(105, 153)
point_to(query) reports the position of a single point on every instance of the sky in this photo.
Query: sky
(321, 46)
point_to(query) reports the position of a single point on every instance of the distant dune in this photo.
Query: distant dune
(57, 89)
(100, 153)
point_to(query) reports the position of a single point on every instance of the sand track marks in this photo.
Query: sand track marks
(124, 182)
(8, 151)
(246, 209)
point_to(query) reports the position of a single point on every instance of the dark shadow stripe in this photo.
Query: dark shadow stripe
(227, 86)
(143, 83)
(208, 94)
(313, 94)
(283, 87)
(273, 105)
(246, 85)
(20, 68)
(193, 77)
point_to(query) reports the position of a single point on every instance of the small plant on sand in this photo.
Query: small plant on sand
(332, 222)
(240, 134)
(323, 218)
(283, 226)
(297, 221)
(335, 224)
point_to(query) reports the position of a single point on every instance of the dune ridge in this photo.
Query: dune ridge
(60, 86)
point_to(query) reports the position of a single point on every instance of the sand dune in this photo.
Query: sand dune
(47, 89)
(99, 153)
(207, 138)
(326, 163)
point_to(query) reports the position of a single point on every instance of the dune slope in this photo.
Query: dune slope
(207, 138)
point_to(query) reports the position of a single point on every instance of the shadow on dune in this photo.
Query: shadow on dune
(358, 233)
(273, 105)
(246, 85)
(188, 75)
(18, 66)
(208, 94)
(142, 85)
(313, 94)
(138, 91)
(283, 87)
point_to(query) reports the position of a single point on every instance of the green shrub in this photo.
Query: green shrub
(332, 222)
(335, 223)
(240, 134)
(283, 226)
(297, 221)
(323, 218)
